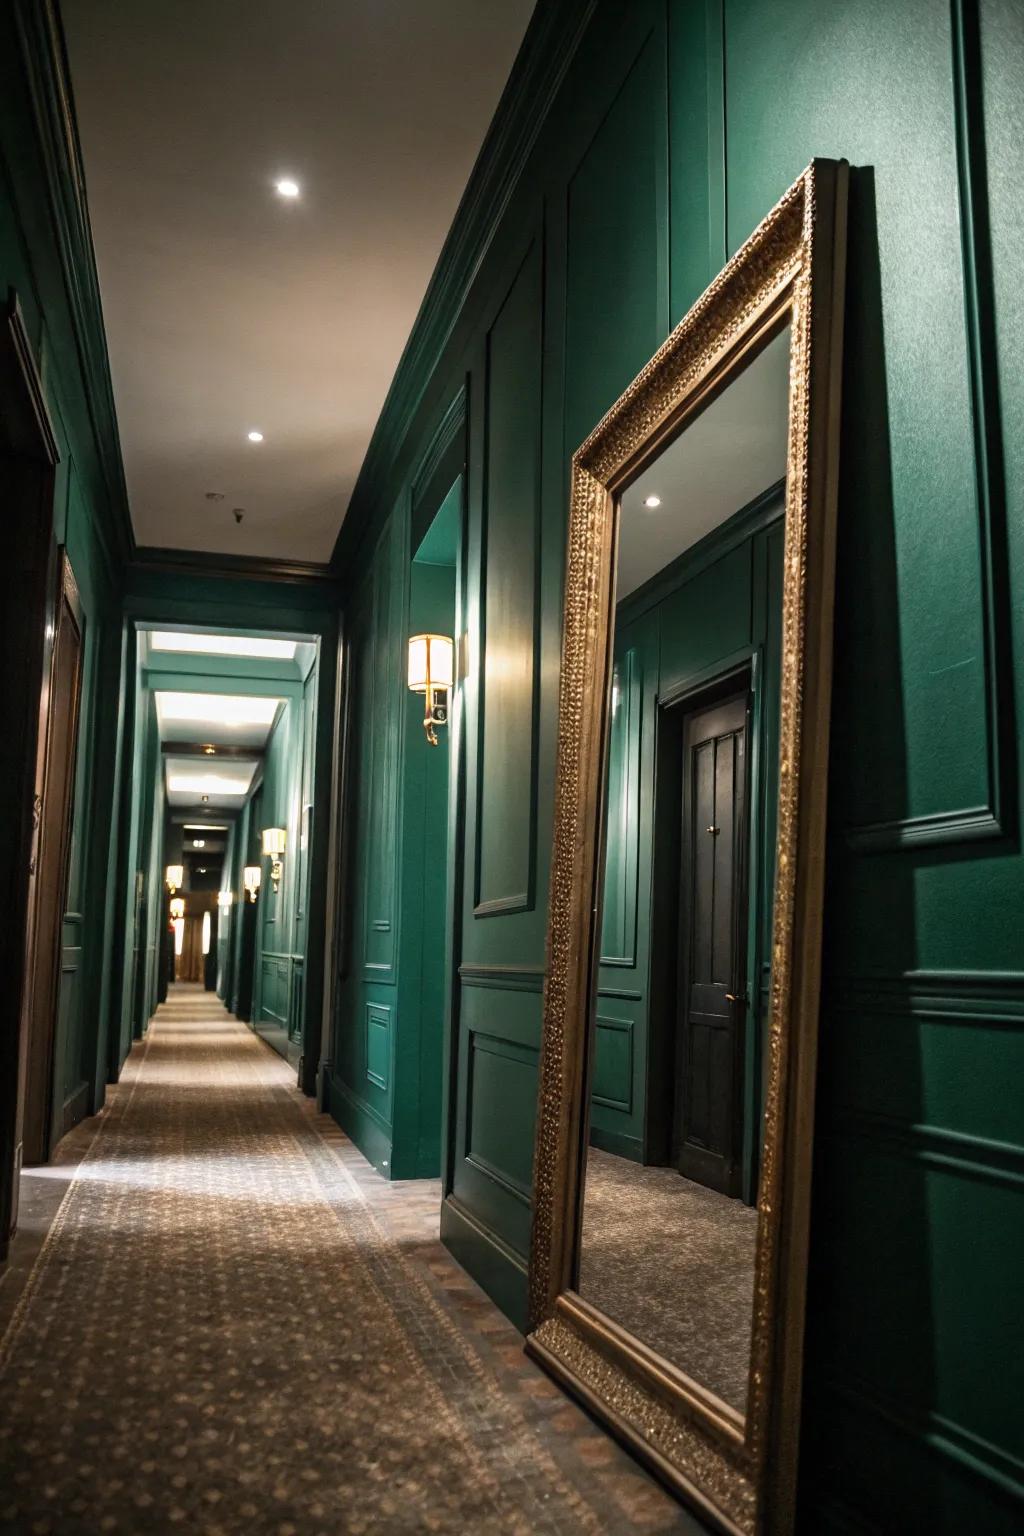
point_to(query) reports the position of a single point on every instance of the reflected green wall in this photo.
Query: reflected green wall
(658, 146)
(716, 609)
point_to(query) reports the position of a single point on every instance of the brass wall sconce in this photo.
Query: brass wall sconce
(174, 877)
(274, 839)
(252, 877)
(177, 907)
(431, 673)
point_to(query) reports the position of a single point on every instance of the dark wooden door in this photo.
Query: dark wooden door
(711, 1013)
(56, 776)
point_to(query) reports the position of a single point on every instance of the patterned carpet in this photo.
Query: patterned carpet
(235, 1326)
(674, 1263)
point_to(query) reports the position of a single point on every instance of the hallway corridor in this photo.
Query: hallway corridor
(236, 1325)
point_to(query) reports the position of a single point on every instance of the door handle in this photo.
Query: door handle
(734, 997)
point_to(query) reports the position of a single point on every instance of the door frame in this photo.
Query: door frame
(744, 669)
(28, 447)
(739, 921)
(39, 1034)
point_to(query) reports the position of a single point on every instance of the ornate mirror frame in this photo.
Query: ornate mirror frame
(738, 1470)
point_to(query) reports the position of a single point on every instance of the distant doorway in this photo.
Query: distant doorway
(710, 1013)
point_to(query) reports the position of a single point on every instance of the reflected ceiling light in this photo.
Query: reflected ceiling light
(216, 708)
(254, 436)
(286, 187)
(223, 645)
(652, 502)
(203, 826)
(206, 784)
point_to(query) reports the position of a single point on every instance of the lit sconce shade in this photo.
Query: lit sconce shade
(179, 935)
(274, 839)
(207, 927)
(430, 662)
(174, 877)
(252, 877)
(431, 672)
(225, 899)
(177, 907)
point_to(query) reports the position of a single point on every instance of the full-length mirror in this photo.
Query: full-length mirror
(669, 1187)
(674, 1145)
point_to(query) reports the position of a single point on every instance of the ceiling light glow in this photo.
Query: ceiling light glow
(216, 709)
(205, 784)
(223, 645)
(254, 436)
(652, 501)
(286, 187)
(202, 826)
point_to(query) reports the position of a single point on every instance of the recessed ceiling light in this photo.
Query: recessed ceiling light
(199, 842)
(652, 501)
(222, 645)
(255, 437)
(202, 827)
(216, 708)
(211, 784)
(286, 187)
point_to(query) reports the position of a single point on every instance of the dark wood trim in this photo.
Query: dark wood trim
(194, 562)
(27, 426)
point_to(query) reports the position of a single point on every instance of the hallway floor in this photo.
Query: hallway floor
(234, 1325)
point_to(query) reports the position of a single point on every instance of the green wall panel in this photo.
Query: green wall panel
(673, 132)
(508, 686)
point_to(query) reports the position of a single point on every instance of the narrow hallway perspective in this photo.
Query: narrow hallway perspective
(236, 1324)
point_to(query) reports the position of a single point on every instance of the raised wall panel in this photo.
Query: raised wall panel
(617, 248)
(622, 836)
(920, 606)
(381, 724)
(612, 1084)
(378, 1044)
(507, 725)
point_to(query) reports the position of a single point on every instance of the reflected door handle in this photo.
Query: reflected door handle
(736, 997)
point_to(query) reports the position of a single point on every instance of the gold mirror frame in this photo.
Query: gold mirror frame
(739, 1471)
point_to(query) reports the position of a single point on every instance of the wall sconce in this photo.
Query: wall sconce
(224, 899)
(430, 673)
(174, 877)
(177, 907)
(274, 839)
(252, 876)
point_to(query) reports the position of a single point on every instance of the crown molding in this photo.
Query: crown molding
(194, 562)
(551, 41)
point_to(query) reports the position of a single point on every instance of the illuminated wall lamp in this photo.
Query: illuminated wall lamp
(177, 907)
(252, 876)
(274, 839)
(174, 877)
(430, 673)
(224, 899)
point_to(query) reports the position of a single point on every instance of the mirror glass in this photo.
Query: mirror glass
(677, 1041)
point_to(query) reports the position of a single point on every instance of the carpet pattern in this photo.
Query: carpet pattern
(674, 1263)
(223, 1334)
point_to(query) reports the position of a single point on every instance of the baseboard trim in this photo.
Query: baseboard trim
(492, 1264)
(361, 1124)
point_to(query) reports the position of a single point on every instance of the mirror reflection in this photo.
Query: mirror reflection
(678, 1037)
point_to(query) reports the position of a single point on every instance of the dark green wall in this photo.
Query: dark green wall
(46, 263)
(671, 133)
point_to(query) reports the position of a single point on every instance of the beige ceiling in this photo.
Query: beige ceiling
(226, 307)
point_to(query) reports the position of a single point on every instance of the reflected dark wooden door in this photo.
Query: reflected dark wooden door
(709, 1134)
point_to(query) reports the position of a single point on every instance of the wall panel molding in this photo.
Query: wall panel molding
(934, 1433)
(992, 818)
